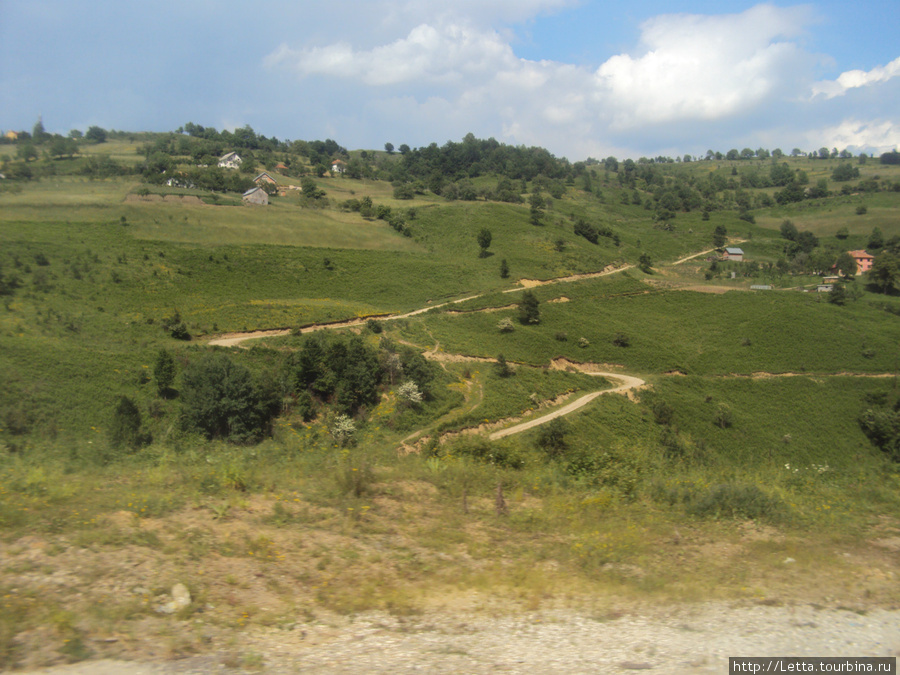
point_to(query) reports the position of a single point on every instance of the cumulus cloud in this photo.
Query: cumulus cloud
(853, 79)
(704, 67)
(876, 135)
(687, 71)
(444, 54)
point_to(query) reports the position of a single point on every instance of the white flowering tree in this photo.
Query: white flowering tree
(409, 393)
(342, 430)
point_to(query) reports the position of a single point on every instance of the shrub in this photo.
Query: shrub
(723, 417)
(409, 392)
(482, 450)
(529, 311)
(164, 371)
(505, 325)
(502, 367)
(552, 437)
(221, 400)
(662, 412)
(125, 430)
(342, 430)
(621, 340)
(737, 500)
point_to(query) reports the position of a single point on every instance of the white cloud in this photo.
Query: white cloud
(875, 135)
(704, 67)
(444, 54)
(853, 79)
(690, 78)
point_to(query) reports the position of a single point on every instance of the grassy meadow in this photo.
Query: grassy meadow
(743, 448)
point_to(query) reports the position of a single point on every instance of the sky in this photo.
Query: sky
(581, 78)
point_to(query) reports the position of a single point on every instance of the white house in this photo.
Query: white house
(231, 160)
(338, 166)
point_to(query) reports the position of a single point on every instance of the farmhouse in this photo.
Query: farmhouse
(231, 160)
(734, 254)
(265, 178)
(863, 261)
(256, 196)
(338, 166)
(12, 135)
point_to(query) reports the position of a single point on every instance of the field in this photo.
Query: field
(744, 448)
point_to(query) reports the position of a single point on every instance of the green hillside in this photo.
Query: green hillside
(350, 469)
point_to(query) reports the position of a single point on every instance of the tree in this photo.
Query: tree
(552, 437)
(885, 271)
(844, 171)
(484, 241)
(95, 135)
(125, 430)
(846, 265)
(720, 236)
(789, 230)
(389, 148)
(60, 146)
(38, 133)
(645, 263)
(310, 190)
(838, 295)
(528, 309)
(164, 372)
(221, 400)
(586, 230)
(807, 241)
(876, 239)
(26, 151)
(502, 367)
(504, 269)
(536, 202)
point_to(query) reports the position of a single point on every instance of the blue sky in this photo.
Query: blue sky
(579, 77)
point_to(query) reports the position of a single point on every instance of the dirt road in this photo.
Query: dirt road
(628, 383)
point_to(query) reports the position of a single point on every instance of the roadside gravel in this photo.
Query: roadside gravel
(678, 639)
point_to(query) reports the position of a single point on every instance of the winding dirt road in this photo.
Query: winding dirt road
(628, 382)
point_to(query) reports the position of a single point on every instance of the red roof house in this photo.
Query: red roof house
(863, 261)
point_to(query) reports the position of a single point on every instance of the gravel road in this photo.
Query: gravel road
(678, 639)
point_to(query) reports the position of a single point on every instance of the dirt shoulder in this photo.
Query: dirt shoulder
(679, 640)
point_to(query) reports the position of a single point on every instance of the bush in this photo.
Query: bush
(505, 325)
(342, 430)
(164, 371)
(552, 437)
(737, 500)
(529, 312)
(221, 400)
(502, 367)
(125, 430)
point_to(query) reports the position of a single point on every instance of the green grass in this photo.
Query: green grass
(691, 332)
(405, 531)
